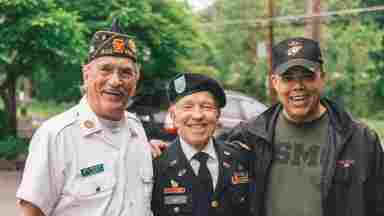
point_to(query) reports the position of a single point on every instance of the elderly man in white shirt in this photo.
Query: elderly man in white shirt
(93, 159)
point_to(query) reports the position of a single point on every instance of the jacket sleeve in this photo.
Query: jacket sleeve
(236, 138)
(155, 202)
(375, 181)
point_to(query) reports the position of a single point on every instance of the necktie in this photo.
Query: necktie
(204, 186)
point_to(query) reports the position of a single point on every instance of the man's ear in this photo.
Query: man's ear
(138, 74)
(85, 70)
(171, 111)
(218, 113)
(275, 81)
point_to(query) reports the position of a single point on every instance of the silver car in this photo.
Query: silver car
(239, 107)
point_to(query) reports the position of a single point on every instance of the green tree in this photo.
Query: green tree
(36, 35)
(165, 32)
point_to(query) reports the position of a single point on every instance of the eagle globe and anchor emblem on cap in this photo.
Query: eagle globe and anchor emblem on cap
(294, 47)
(180, 84)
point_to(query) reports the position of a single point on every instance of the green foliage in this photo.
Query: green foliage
(61, 86)
(165, 32)
(48, 108)
(376, 124)
(11, 147)
(37, 35)
(348, 42)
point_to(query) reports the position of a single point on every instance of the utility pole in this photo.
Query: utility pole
(313, 24)
(272, 93)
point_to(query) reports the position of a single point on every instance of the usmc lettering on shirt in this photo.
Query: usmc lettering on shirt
(297, 154)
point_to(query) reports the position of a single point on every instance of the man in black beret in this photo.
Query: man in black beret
(310, 156)
(196, 175)
(93, 159)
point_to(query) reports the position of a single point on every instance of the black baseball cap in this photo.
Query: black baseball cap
(296, 51)
(188, 83)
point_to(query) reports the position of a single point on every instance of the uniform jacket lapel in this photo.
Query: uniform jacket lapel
(178, 166)
(224, 178)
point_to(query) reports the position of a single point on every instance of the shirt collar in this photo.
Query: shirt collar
(189, 151)
(89, 123)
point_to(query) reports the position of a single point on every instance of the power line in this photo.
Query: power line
(289, 19)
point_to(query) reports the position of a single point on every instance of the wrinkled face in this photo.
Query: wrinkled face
(299, 91)
(110, 82)
(195, 117)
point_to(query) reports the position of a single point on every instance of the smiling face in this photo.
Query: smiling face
(299, 91)
(195, 117)
(110, 82)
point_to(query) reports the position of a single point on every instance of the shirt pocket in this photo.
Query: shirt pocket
(98, 186)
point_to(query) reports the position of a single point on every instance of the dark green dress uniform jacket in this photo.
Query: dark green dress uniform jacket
(174, 182)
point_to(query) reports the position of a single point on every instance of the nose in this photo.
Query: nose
(298, 84)
(115, 79)
(197, 113)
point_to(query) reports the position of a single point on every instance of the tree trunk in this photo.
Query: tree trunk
(8, 94)
(312, 29)
(28, 89)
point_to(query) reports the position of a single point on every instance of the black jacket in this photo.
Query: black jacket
(352, 163)
(174, 181)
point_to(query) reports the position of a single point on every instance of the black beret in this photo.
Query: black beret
(112, 43)
(188, 83)
(296, 51)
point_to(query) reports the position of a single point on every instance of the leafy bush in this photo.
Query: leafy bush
(11, 146)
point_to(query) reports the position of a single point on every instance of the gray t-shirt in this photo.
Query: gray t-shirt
(294, 181)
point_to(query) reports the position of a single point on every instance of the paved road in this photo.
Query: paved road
(9, 181)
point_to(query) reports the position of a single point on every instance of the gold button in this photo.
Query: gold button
(215, 204)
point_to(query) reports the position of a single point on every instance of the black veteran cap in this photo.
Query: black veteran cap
(296, 52)
(188, 83)
(112, 43)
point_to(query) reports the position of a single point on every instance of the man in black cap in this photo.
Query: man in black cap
(93, 159)
(196, 175)
(310, 156)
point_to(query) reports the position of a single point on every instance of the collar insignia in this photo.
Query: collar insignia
(89, 124)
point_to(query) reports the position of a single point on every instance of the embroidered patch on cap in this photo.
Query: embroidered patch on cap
(294, 48)
(180, 84)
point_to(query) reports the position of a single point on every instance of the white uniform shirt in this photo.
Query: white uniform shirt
(74, 169)
(212, 162)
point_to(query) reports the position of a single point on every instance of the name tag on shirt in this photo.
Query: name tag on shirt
(92, 170)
